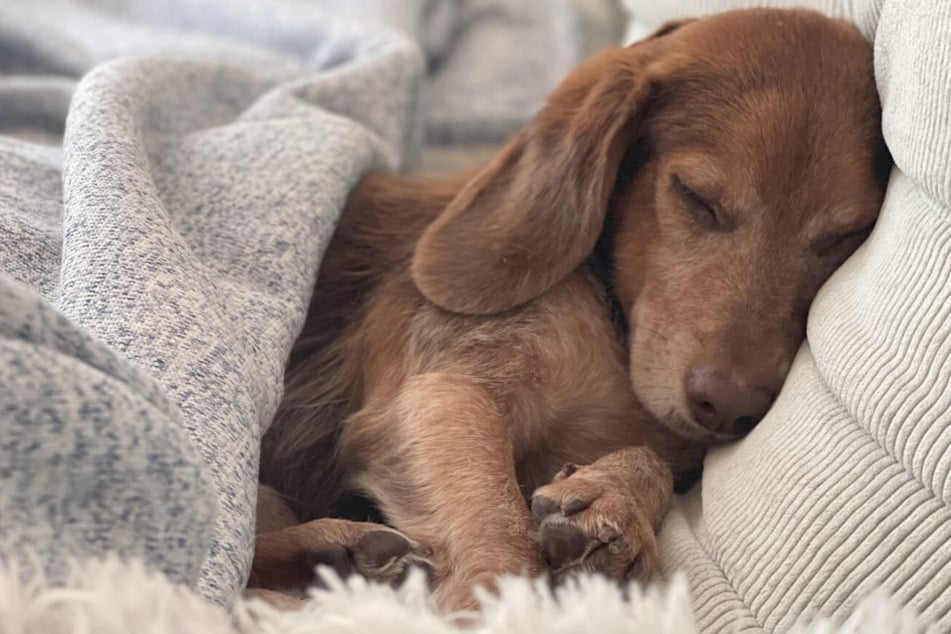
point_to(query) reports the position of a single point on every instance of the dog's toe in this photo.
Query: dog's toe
(542, 507)
(386, 555)
(563, 545)
(377, 550)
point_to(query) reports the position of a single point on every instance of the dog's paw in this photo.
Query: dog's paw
(588, 520)
(287, 559)
(376, 552)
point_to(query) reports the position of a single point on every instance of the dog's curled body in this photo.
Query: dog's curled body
(623, 285)
(553, 374)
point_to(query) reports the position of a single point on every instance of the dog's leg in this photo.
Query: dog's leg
(286, 559)
(602, 517)
(439, 460)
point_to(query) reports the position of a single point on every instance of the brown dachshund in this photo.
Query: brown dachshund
(624, 285)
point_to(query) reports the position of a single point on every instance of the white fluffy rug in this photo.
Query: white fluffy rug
(111, 597)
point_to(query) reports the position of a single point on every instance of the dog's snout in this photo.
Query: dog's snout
(723, 406)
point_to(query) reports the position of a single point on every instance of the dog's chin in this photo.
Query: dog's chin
(687, 428)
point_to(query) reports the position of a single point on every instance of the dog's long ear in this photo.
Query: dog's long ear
(535, 212)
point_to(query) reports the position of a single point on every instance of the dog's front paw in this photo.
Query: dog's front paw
(589, 520)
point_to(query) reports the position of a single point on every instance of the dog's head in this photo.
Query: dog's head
(729, 163)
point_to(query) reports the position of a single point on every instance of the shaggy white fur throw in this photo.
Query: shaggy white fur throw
(112, 597)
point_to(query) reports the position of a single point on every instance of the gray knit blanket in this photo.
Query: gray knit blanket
(170, 174)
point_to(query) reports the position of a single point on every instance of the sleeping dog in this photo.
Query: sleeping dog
(516, 364)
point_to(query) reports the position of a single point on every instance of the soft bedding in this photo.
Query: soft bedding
(170, 173)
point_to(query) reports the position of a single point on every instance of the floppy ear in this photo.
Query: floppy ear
(535, 212)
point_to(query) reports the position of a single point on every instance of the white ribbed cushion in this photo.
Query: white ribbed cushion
(846, 486)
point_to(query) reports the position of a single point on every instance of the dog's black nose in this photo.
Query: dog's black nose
(723, 406)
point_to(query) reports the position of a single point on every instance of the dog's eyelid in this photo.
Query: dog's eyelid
(706, 212)
(830, 242)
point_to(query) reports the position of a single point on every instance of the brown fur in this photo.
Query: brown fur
(567, 303)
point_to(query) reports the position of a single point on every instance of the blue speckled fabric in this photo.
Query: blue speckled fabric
(156, 260)
(170, 174)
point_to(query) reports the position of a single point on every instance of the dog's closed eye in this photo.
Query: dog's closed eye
(834, 244)
(704, 212)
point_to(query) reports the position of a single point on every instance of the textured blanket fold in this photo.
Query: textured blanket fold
(196, 201)
(170, 174)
